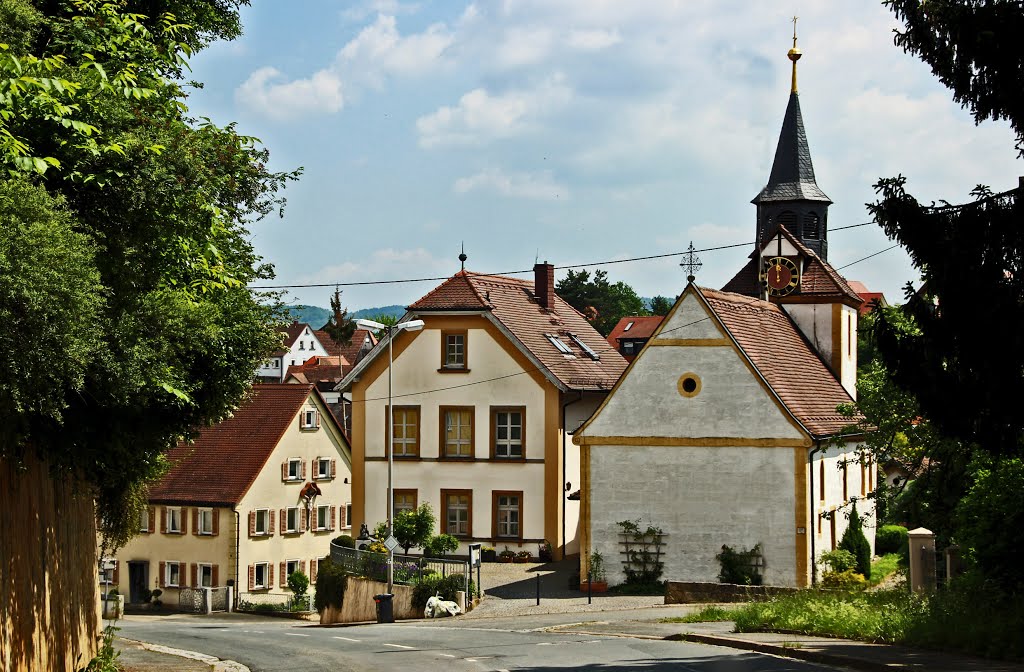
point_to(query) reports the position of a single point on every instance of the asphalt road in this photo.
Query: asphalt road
(268, 644)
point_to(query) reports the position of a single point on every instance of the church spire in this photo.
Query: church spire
(792, 197)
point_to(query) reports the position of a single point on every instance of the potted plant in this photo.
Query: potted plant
(488, 554)
(544, 551)
(523, 556)
(507, 555)
(157, 602)
(597, 575)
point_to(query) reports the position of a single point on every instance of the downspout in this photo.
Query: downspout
(813, 531)
(238, 531)
(565, 452)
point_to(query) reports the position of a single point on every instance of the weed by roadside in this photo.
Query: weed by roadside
(709, 613)
(106, 657)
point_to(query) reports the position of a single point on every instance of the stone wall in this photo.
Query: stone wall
(679, 592)
(358, 605)
(49, 611)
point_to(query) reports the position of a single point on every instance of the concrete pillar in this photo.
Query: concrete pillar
(207, 601)
(230, 598)
(922, 560)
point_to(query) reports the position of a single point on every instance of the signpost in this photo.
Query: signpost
(475, 561)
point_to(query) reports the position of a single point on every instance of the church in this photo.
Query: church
(724, 429)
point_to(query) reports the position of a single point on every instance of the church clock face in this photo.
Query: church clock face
(781, 275)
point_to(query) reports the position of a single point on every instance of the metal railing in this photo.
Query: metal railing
(408, 569)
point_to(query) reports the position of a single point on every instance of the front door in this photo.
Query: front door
(138, 579)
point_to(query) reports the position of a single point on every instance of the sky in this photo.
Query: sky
(575, 132)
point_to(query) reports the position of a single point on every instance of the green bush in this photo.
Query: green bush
(443, 586)
(855, 542)
(344, 540)
(298, 583)
(439, 546)
(330, 585)
(838, 560)
(890, 539)
(844, 580)
(739, 566)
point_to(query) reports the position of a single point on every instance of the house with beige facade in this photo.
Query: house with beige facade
(484, 398)
(254, 498)
(724, 430)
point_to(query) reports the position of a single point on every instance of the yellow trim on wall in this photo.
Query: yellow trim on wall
(692, 342)
(357, 442)
(584, 510)
(801, 520)
(553, 492)
(692, 442)
(681, 384)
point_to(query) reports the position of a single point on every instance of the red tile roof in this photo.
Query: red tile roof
(788, 363)
(289, 335)
(642, 327)
(225, 459)
(871, 299)
(317, 370)
(511, 302)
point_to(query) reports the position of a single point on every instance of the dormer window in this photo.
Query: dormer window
(559, 344)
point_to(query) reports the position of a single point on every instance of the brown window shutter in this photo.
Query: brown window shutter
(270, 524)
(195, 523)
(341, 514)
(334, 468)
(302, 566)
(284, 577)
(302, 521)
(312, 468)
(252, 523)
(312, 570)
(213, 576)
(163, 574)
(184, 520)
(216, 522)
(334, 513)
(152, 518)
(195, 575)
(303, 471)
(252, 576)
(284, 521)
(284, 470)
(163, 521)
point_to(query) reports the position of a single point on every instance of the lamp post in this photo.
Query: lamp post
(392, 329)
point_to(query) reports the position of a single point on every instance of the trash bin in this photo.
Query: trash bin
(385, 614)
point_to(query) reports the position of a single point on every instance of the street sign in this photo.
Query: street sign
(474, 555)
(391, 543)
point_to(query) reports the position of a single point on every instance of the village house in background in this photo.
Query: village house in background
(631, 333)
(256, 497)
(303, 343)
(484, 397)
(721, 431)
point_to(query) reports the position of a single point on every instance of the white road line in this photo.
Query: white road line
(400, 646)
(295, 634)
(349, 639)
(446, 655)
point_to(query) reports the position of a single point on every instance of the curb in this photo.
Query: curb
(785, 651)
(215, 663)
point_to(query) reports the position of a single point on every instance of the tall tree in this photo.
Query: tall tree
(660, 305)
(340, 326)
(601, 301)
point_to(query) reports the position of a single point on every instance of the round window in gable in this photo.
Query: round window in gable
(689, 385)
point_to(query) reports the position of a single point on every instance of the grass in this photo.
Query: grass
(882, 567)
(709, 613)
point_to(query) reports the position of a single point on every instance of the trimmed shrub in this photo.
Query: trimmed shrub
(890, 539)
(444, 586)
(298, 583)
(344, 540)
(839, 560)
(855, 542)
(439, 546)
(845, 580)
(330, 585)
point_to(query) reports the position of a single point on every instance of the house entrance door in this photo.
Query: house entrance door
(138, 579)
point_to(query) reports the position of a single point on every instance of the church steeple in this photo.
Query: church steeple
(792, 197)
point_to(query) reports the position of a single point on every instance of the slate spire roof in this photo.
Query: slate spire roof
(792, 177)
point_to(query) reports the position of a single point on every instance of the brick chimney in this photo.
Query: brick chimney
(544, 285)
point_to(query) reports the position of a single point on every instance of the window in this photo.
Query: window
(276, 363)
(204, 521)
(508, 515)
(584, 347)
(348, 517)
(261, 522)
(627, 347)
(310, 418)
(457, 431)
(405, 500)
(323, 517)
(453, 350)
(821, 479)
(458, 512)
(291, 525)
(108, 571)
(846, 494)
(324, 468)
(173, 519)
(261, 576)
(507, 432)
(405, 434)
(628, 326)
(172, 574)
(302, 345)
(205, 575)
(144, 520)
(290, 568)
(294, 469)
(559, 344)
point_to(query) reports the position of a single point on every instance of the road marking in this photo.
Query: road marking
(400, 646)
(295, 634)
(446, 655)
(349, 639)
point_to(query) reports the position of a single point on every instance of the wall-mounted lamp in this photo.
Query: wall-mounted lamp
(346, 479)
(568, 486)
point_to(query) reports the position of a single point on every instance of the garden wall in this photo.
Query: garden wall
(358, 605)
(49, 611)
(684, 592)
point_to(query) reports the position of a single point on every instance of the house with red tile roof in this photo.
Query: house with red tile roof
(630, 334)
(484, 398)
(251, 500)
(724, 430)
(871, 299)
(301, 342)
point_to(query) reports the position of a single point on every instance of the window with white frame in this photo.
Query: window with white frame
(323, 517)
(261, 575)
(291, 519)
(294, 469)
(173, 514)
(172, 576)
(310, 418)
(323, 467)
(290, 567)
(302, 345)
(107, 567)
(144, 520)
(205, 575)
(507, 432)
(262, 522)
(205, 521)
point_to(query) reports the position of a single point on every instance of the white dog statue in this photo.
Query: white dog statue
(436, 607)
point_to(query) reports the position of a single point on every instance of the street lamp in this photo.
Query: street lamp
(392, 329)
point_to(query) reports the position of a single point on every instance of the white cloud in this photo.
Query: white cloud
(526, 45)
(593, 40)
(481, 117)
(268, 92)
(533, 186)
(379, 50)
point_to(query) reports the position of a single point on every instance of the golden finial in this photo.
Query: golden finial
(794, 55)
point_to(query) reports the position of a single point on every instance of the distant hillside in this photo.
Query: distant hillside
(317, 317)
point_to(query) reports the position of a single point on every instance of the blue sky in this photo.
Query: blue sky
(574, 131)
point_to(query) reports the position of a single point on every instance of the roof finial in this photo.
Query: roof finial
(691, 263)
(462, 256)
(794, 55)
